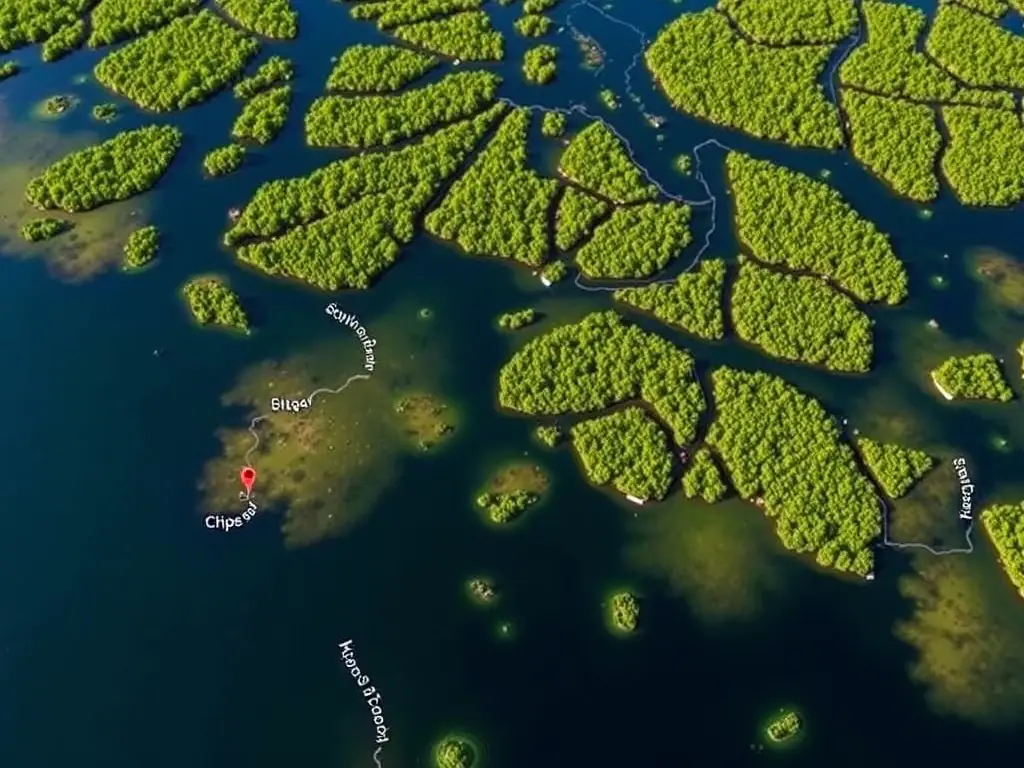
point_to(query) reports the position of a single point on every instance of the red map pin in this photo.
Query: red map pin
(248, 475)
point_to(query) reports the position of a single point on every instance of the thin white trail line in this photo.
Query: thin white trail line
(914, 545)
(376, 759)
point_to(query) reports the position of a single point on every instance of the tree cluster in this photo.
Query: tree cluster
(64, 41)
(1005, 526)
(624, 611)
(373, 121)
(454, 752)
(105, 113)
(141, 247)
(784, 727)
(391, 13)
(993, 8)
(263, 116)
(274, 71)
(784, 451)
(637, 241)
(538, 6)
(553, 124)
(800, 319)
(597, 159)
(378, 68)
(115, 20)
(600, 362)
(984, 161)
(786, 218)
(513, 321)
(275, 19)
(44, 228)
(506, 507)
(975, 48)
(532, 25)
(973, 377)
(468, 36)
(212, 302)
(224, 160)
(577, 213)
(703, 479)
(127, 164)
(792, 21)
(8, 69)
(549, 435)
(539, 65)
(708, 70)
(693, 303)
(23, 22)
(178, 65)
(895, 468)
(500, 206)
(608, 98)
(897, 140)
(626, 449)
(889, 62)
(554, 271)
(683, 164)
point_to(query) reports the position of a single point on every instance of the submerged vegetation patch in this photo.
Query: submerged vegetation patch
(424, 419)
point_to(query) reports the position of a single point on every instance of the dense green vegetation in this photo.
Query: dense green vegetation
(800, 319)
(984, 162)
(627, 449)
(897, 140)
(24, 22)
(538, 6)
(553, 124)
(993, 8)
(105, 113)
(706, 69)
(1005, 526)
(224, 160)
(43, 229)
(549, 435)
(212, 302)
(391, 13)
(273, 71)
(506, 507)
(263, 116)
(513, 321)
(703, 479)
(482, 590)
(973, 377)
(975, 48)
(532, 25)
(597, 159)
(599, 362)
(372, 121)
(500, 206)
(454, 752)
(141, 247)
(787, 218)
(275, 19)
(683, 164)
(554, 271)
(8, 69)
(378, 68)
(889, 62)
(467, 36)
(58, 104)
(693, 302)
(115, 20)
(792, 21)
(64, 41)
(785, 726)
(348, 218)
(608, 98)
(624, 612)
(576, 216)
(636, 242)
(126, 165)
(539, 65)
(783, 450)
(178, 65)
(895, 468)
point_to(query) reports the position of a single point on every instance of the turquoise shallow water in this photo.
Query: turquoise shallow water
(131, 635)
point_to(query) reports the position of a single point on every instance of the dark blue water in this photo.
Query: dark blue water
(130, 635)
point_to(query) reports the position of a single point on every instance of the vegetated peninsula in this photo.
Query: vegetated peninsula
(178, 65)
(789, 219)
(44, 228)
(577, 214)
(224, 160)
(533, 25)
(118, 168)
(972, 377)
(114, 20)
(391, 13)
(895, 468)
(372, 121)
(708, 70)
(975, 48)
(693, 303)
(1004, 524)
(637, 241)
(792, 21)
(64, 41)
(984, 162)
(8, 69)
(467, 36)
(600, 362)
(212, 302)
(263, 116)
(703, 479)
(597, 159)
(275, 19)
(274, 71)
(25, 23)
(800, 319)
(378, 68)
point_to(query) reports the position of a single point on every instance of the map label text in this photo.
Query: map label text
(229, 522)
(966, 487)
(348, 657)
(351, 321)
(284, 404)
